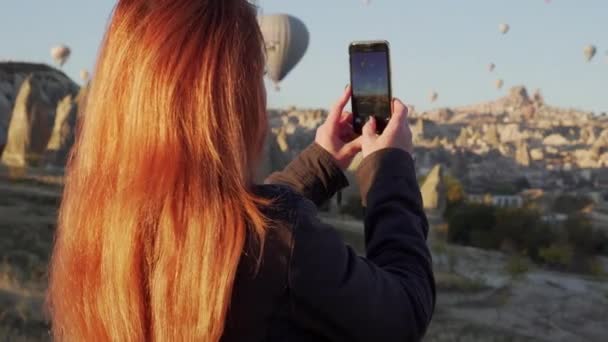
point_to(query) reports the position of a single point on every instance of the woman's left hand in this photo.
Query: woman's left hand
(336, 134)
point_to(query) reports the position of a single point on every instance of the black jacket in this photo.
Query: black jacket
(310, 286)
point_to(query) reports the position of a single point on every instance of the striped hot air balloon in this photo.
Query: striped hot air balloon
(286, 39)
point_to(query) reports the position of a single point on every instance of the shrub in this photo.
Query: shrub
(524, 229)
(439, 247)
(16, 173)
(455, 282)
(454, 189)
(517, 265)
(484, 239)
(489, 227)
(570, 204)
(595, 267)
(580, 233)
(572, 248)
(440, 231)
(558, 255)
(467, 218)
(601, 243)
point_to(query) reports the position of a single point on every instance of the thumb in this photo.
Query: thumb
(399, 116)
(369, 129)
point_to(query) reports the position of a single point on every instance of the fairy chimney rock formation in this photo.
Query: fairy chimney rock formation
(433, 190)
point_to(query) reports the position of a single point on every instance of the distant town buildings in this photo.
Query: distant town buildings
(501, 201)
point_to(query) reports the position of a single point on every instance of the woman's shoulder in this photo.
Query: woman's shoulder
(291, 218)
(285, 204)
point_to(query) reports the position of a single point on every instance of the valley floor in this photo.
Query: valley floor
(478, 300)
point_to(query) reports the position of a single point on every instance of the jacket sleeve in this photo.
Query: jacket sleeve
(313, 174)
(390, 294)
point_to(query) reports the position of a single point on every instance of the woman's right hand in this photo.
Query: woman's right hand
(397, 133)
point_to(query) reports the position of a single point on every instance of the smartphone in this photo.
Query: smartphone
(370, 79)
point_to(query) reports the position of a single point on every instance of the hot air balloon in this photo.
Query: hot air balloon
(367, 2)
(433, 96)
(504, 28)
(499, 84)
(589, 52)
(60, 54)
(84, 75)
(491, 67)
(286, 39)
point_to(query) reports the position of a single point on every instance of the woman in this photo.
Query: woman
(164, 237)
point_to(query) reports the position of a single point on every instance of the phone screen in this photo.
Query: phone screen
(370, 81)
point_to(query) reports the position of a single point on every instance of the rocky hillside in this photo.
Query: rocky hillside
(38, 106)
(517, 139)
(513, 138)
(521, 127)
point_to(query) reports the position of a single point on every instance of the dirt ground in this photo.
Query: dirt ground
(28, 208)
(478, 300)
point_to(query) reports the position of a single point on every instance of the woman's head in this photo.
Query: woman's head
(156, 205)
(187, 67)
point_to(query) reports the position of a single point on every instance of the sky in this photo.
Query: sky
(442, 45)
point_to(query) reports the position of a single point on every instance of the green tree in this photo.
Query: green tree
(467, 218)
(570, 204)
(580, 234)
(517, 265)
(454, 189)
(558, 255)
(524, 228)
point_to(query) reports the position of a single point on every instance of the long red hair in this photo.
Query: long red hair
(157, 203)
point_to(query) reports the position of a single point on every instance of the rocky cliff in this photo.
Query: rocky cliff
(37, 114)
(517, 136)
(516, 139)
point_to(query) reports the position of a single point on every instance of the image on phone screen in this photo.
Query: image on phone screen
(371, 87)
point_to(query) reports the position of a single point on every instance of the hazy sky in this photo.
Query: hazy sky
(444, 45)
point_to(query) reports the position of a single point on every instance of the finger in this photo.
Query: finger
(347, 117)
(369, 129)
(336, 111)
(353, 147)
(398, 106)
(347, 133)
(399, 116)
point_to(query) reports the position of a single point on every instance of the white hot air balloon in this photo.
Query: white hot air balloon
(84, 75)
(589, 52)
(491, 67)
(60, 54)
(286, 39)
(504, 28)
(433, 96)
(499, 84)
